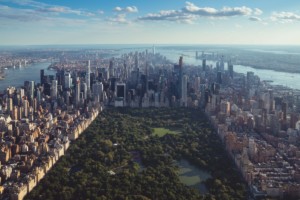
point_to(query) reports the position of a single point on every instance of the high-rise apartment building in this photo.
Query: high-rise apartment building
(88, 76)
(77, 92)
(54, 89)
(184, 90)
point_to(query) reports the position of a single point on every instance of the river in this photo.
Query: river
(16, 77)
(279, 78)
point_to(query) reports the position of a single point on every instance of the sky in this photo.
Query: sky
(37, 22)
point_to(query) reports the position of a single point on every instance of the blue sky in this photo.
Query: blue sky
(33, 22)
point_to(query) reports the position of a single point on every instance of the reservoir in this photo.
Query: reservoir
(192, 176)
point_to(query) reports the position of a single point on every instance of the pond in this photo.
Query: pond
(192, 176)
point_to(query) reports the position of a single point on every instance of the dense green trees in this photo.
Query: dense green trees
(121, 141)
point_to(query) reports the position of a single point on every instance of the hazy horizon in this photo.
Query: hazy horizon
(154, 44)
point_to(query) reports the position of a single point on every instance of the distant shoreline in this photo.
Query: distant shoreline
(287, 70)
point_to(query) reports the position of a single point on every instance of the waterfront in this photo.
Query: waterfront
(173, 53)
(16, 76)
(278, 78)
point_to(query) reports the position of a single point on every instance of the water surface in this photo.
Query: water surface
(192, 176)
(16, 76)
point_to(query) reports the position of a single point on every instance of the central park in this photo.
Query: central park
(155, 153)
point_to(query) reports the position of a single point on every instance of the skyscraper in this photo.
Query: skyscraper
(271, 100)
(10, 105)
(284, 109)
(42, 74)
(204, 64)
(54, 89)
(136, 61)
(121, 90)
(60, 75)
(31, 90)
(98, 92)
(38, 96)
(222, 65)
(147, 76)
(180, 61)
(197, 84)
(85, 90)
(77, 92)
(22, 92)
(120, 95)
(25, 108)
(230, 69)
(68, 81)
(88, 76)
(111, 69)
(178, 77)
(184, 90)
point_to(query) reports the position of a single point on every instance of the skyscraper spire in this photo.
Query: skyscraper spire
(180, 61)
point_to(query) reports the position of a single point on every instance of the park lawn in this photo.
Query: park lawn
(160, 132)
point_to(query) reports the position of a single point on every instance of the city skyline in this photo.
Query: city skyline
(28, 22)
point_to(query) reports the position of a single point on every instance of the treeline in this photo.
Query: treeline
(118, 157)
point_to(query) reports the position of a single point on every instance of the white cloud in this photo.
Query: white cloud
(35, 6)
(101, 12)
(64, 10)
(19, 14)
(257, 11)
(256, 19)
(236, 11)
(192, 7)
(59, 9)
(118, 9)
(30, 3)
(170, 15)
(120, 18)
(212, 12)
(285, 17)
(128, 9)
(280, 17)
(16, 16)
(131, 9)
(191, 12)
